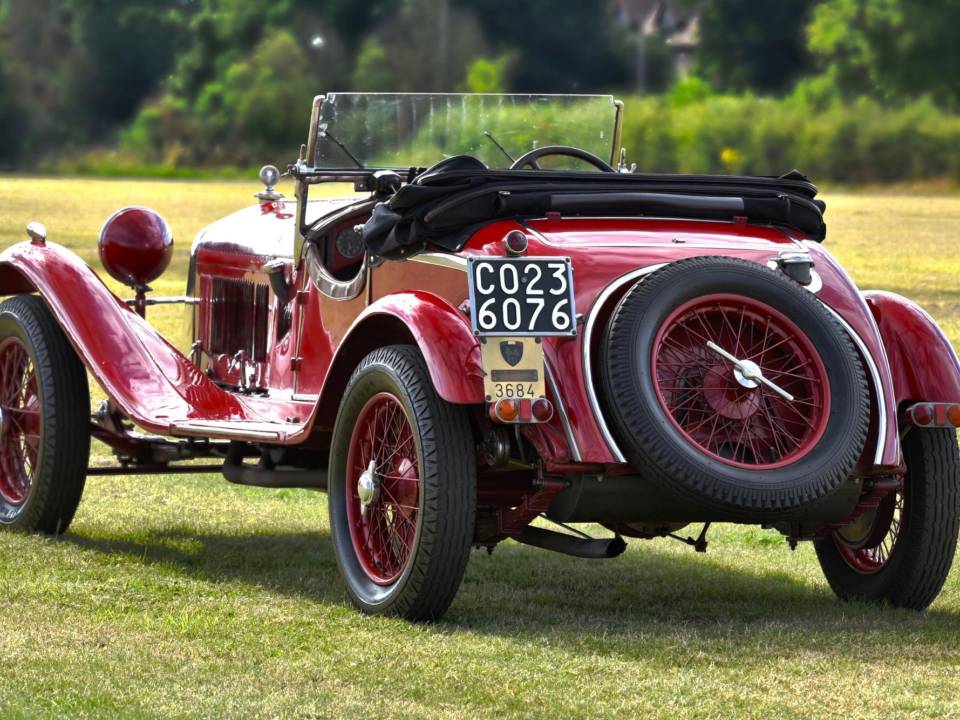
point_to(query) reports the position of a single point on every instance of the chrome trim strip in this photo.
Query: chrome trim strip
(224, 430)
(562, 410)
(326, 283)
(452, 262)
(587, 337)
(877, 383)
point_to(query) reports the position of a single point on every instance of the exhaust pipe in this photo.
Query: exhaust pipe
(571, 545)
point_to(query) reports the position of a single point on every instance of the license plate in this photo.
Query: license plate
(513, 368)
(521, 296)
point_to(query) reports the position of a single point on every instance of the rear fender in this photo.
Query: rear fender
(418, 318)
(923, 364)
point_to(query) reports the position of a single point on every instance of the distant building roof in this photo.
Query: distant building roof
(680, 22)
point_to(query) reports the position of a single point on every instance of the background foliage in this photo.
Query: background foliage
(843, 89)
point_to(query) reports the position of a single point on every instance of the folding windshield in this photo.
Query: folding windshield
(400, 131)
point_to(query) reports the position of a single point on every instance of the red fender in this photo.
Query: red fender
(440, 331)
(144, 375)
(923, 363)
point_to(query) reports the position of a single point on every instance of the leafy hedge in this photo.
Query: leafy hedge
(862, 141)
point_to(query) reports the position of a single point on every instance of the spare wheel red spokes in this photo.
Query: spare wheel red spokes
(20, 422)
(741, 381)
(383, 488)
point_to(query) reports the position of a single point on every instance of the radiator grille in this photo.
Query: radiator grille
(239, 312)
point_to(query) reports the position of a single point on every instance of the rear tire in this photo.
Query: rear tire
(402, 488)
(905, 561)
(44, 432)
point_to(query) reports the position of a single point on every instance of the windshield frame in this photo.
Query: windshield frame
(306, 174)
(317, 115)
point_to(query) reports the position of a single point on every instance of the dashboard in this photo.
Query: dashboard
(343, 249)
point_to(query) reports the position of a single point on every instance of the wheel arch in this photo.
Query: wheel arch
(923, 364)
(417, 318)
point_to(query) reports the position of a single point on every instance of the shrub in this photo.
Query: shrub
(859, 141)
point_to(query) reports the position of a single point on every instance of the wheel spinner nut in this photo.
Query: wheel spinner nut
(367, 487)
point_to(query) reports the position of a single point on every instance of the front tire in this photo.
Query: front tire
(402, 488)
(900, 553)
(44, 420)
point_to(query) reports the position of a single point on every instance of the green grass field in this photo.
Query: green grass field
(189, 597)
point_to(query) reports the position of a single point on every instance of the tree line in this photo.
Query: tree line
(182, 83)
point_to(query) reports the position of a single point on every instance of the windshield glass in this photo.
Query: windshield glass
(396, 131)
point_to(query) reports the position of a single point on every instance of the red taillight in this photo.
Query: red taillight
(515, 242)
(542, 410)
(922, 414)
(527, 410)
(928, 414)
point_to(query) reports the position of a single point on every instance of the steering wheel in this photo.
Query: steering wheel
(530, 158)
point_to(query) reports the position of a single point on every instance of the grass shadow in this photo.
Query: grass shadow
(522, 592)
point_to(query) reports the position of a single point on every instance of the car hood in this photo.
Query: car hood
(267, 232)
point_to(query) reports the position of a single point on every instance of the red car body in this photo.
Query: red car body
(266, 374)
(162, 390)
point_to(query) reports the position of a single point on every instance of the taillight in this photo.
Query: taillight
(506, 410)
(542, 410)
(928, 414)
(526, 410)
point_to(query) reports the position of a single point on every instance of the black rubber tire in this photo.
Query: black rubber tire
(920, 562)
(654, 446)
(446, 449)
(64, 449)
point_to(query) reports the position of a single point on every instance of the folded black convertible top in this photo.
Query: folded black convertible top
(446, 204)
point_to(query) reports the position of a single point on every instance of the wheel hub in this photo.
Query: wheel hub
(367, 487)
(747, 374)
(726, 400)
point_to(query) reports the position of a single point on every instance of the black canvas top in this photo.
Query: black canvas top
(446, 204)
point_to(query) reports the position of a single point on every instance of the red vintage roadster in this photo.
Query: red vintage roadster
(525, 329)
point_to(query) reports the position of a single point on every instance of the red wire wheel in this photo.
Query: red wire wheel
(383, 489)
(867, 545)
(724, 408)
(20, 428)
(734, 390)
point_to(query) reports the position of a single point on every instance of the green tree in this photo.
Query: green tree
(488, 76)
(749, 45)
(890, 48)
(558, 46)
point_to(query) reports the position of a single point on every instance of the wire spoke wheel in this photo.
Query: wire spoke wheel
(721, 406)
(900, 551)
(734, 389)
(384, 528)
(867, 545)
(44, 419)
(402, 488)
(20, 427)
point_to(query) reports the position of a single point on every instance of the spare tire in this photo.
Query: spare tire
(734, 387)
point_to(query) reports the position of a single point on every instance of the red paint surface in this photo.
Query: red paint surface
(923, 365)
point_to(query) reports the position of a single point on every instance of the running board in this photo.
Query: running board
(571, 545)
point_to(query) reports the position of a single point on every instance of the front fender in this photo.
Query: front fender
(143, 374)
(923, 364)
(437, 328)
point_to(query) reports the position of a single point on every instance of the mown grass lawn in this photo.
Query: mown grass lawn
(189, 597)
